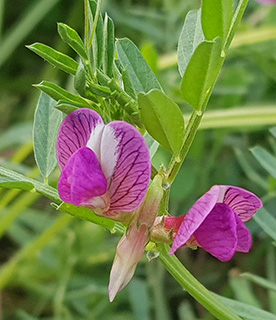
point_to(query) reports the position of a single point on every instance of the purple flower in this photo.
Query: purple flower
(104, 167)
(216, 222)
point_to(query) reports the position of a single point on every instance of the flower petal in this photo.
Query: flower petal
(217, 234)
(244, 236)
(243, 202)
(82, 179)
(126, 163)
(129, 252)
(174, 223)
(195, 217)
(75, 132)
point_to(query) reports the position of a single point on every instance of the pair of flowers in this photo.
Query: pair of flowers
(107, 168)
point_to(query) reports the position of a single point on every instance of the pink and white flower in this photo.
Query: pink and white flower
(104, 167)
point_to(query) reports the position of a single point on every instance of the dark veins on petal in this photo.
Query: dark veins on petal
(131, 177)
(244, 203)
(74, 133)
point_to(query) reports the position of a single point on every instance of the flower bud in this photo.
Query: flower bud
(149, 208)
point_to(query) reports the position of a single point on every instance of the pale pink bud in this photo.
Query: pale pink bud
(129, 252)
(131, 247)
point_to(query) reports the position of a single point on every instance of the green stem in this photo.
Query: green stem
(194, 287)
(190, 133)
(235, 21)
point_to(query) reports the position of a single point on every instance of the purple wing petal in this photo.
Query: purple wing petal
(217, 234)
(74, 133)
(243, 202)
(82, 178)
(244, 236)
(195, 217)
(126, 163)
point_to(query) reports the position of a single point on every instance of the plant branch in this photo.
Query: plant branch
(193, 286)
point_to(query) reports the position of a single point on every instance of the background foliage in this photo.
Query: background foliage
(55, 266)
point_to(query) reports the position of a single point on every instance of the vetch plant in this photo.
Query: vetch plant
(106, 172)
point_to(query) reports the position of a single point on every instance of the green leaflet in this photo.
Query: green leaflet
(163, 119)
(46, 124)
(190, 37)
(58, 93)
(80, 80)
(66, 107)
(128, 85)
(56, 58)
(216, 18)
(151, 143)
(98, 36)
(72, 38)
(108, 46)
(142, 76)
(201, 73)
(150, 54)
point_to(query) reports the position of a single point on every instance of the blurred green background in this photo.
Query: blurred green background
(57, 267)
